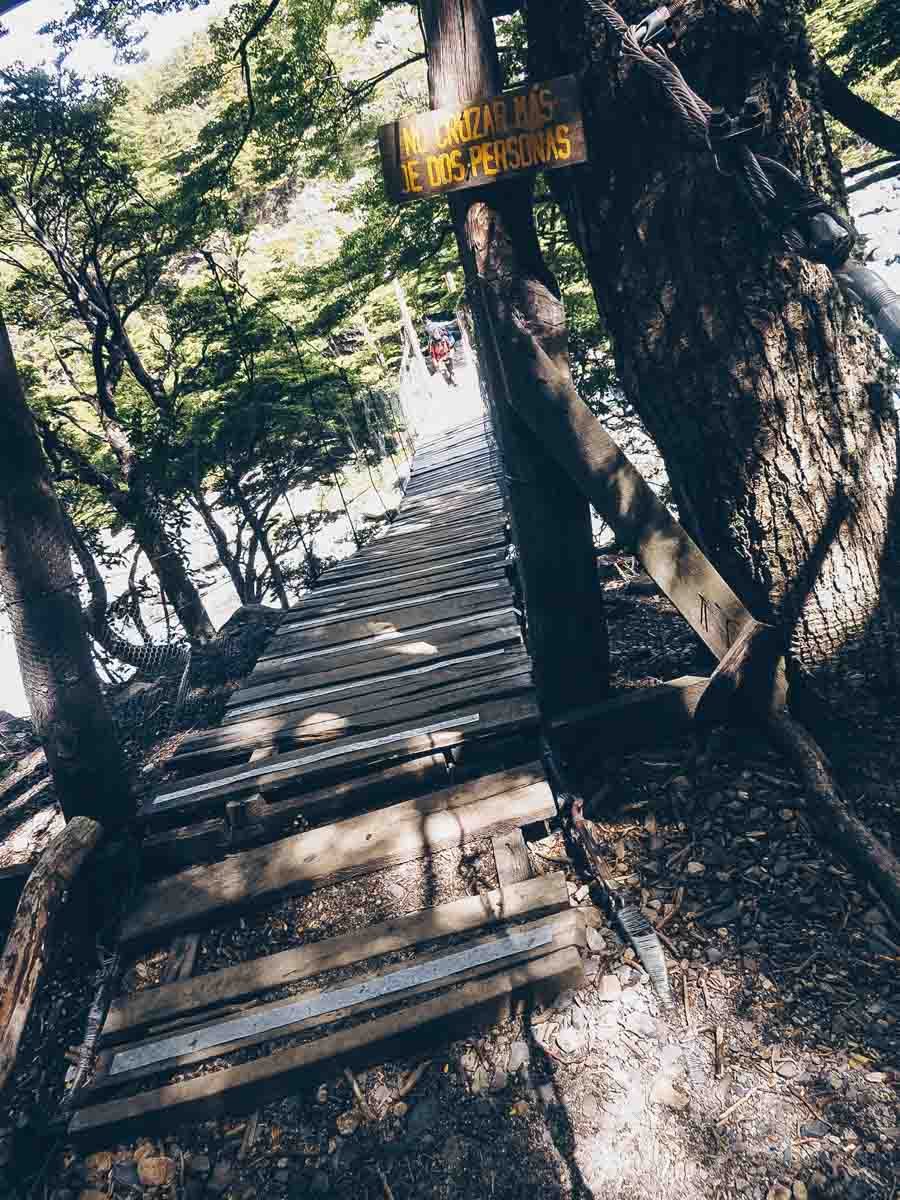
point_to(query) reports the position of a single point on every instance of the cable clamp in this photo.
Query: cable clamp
(654, 29)
(727, 133)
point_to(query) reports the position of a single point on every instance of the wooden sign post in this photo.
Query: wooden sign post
(532, 128)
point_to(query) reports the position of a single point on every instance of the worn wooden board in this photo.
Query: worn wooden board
(312, 725)
(345, 850)
(375, 646)
(640, 716)
(244, 1088)
(376, 612)
(133, 1016)
(392, 686)
(511, 857)
(328, 601)
(223, 1033)
(344, 755)
(442, 641)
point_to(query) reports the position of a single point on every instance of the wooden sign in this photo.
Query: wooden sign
(532, 128)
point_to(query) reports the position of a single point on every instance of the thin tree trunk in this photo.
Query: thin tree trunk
(764, 391)
(67, 705)
(265, 545)
(220, 541)
(513, 287)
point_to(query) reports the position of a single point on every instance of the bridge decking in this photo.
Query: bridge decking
(392, 716)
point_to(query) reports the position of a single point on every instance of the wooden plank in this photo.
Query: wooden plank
(223, 1033)
(343, 756)
(244, 1088)
(639, 716)
(186, 846)
(456, 548)
(419, 643)
(335, 759)
(396, 614)
(308, 725)
(346, 850)
(395, 587)
(132, 1016)
(393, 684)
(511, 856)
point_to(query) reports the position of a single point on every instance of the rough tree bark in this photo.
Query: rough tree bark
(27, 947)
(506, 275)
(764, 392)
(67, 706)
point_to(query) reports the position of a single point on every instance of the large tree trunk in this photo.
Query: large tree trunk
(764, 392)
(509, 282)
(67, 706)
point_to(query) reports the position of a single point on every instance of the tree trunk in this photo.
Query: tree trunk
(67, 706)
(28, 945)
(764, 392)
(139, 509)
(262, 537)
(511, 283)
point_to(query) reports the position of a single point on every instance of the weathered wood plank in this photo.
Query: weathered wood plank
(392, 685)
(422, 641)
(224, 1033)
(638, 716)
(345, 850)
(395, 620)
(395, 587)
(373, 616)
(132, 1016)
(244, 1088)
(345, 755)
(313, 724)
(511, 857)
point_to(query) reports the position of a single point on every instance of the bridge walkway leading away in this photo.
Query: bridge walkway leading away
(358, 815)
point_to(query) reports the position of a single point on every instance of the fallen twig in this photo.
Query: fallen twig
(413, 1078)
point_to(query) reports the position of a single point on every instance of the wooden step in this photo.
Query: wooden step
(345, 850)
(345, 755)
(232, 1090)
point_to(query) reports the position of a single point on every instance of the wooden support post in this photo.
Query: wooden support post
(551, 521)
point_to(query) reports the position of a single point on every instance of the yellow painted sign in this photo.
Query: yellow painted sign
(532, 128)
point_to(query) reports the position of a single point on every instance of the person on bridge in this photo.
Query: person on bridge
(440, 344)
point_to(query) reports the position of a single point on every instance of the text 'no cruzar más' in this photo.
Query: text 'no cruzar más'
(532, 128)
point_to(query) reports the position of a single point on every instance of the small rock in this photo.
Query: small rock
(400, 1109)
(199, 1164)
(596, 942)
(695, 868)
(779, 1192)
(381, 1096)
(609, 988)
(590, 1107)
(220, 1180)
(799, 1190)
(627, 976)
(322, 1094)
(641, 1024)
(581, 893)
(425, 1114)
(143, 1149)
(788, 1070)
(569, 1040)
(713, 955)
(591, 968)
(519, 1056)
(873, 916)
(815, 1129)
(781, 867)
(663, 1092)
(564, 1000)
(156, 1172)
